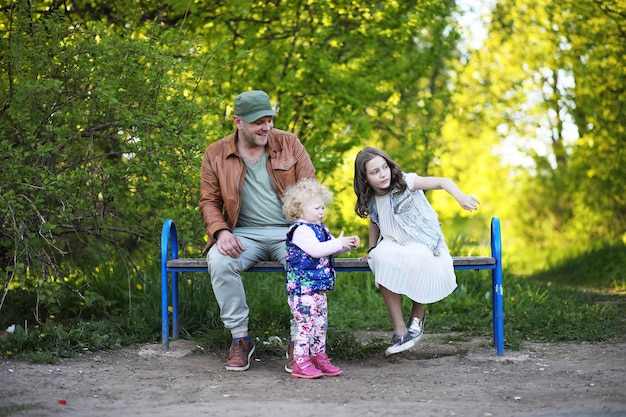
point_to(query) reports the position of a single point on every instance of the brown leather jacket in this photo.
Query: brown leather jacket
(223, 171)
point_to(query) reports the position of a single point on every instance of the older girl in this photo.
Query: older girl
(407, 253)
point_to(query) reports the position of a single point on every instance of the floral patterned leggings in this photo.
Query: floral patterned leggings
(311, 315)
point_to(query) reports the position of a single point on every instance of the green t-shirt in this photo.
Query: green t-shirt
(260, 205)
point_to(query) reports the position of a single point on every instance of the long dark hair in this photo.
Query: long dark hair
(364, 192)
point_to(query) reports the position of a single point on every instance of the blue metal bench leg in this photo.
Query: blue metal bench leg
(165, 337)
(498, 291)
(169, 240)
(175, 316)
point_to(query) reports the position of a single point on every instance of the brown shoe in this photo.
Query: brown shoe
(240, 352)
(289, 355)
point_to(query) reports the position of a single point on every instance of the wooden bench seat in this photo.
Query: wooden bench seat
(341, 264)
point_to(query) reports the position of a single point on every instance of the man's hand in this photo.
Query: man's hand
(229, 244)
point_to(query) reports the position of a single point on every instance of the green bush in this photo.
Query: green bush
(99, 135)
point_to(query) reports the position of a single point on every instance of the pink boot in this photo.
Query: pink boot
(322, 363)
(305, 370)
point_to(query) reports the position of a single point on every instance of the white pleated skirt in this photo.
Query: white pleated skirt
(413, 270)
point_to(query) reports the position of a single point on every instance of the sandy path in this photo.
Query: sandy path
(574, 380)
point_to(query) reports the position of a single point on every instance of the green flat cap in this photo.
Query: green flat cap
(252, 105)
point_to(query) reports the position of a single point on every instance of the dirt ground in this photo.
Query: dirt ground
(435, 378)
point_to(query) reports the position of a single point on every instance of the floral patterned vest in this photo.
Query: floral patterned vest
(305, 274)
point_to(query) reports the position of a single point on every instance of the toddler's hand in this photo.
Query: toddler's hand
(350, 242)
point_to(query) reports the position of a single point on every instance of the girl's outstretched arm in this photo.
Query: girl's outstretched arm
(468, 202)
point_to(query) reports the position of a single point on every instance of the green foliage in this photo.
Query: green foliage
(321, 63)
(356, 289)
(601, 269)
(556, 305)
(110, 311)
(562, 315)
(100, 136)
(578, 299)
(549, 82)
(48, 342)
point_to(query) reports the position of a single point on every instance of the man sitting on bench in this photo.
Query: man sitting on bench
(243, 177)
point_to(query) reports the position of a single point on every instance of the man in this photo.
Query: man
(243, 177)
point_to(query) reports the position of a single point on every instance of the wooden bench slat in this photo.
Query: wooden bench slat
(340, 263)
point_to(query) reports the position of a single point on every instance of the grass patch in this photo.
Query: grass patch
(580, 299)
(601, 270)
(7, 410)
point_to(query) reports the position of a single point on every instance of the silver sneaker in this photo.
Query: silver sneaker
(415, 329)
(394, 347)
(414, 333)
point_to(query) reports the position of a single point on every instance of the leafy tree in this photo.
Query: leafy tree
(99, 135)
(597, 35)
(552, 74)
(322, 63)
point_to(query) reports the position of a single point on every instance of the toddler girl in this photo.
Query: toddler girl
(310, 273)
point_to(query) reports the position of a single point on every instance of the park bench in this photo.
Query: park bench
(171, 265)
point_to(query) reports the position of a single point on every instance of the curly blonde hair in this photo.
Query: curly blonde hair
(297, 195)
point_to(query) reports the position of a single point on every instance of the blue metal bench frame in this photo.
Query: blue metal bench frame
(171, 265)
